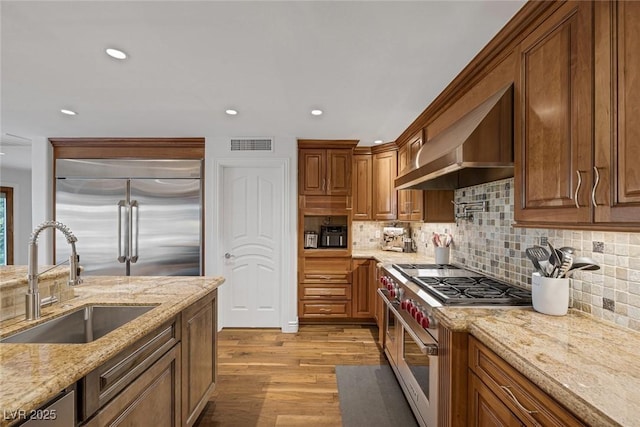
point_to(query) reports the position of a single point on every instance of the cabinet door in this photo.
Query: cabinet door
(404, 196)
(553, 157)
(363, 286)
(485, 409)
(384, 194)
(199, 333)
(415, 196)
(362, 187)
(153, 399)
(339, 164)
(312, 170)
(616, 195)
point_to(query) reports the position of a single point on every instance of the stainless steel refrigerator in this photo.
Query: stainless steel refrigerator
(132, 217)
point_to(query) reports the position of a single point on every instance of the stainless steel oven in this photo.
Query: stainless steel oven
(413, 355)
(410, 293)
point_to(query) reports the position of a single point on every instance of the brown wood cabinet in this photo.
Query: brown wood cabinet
(496, 385)
(553, 117)
(362, 185)
(324, 287)
(615, 195)
(325, 171)
(152, 399)
(364, 288)
(385, 197)
(199, 355)
(410, 202)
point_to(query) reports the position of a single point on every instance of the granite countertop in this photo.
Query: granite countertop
(15, 275)
(31, 374)
(588, 365)
(389, 257)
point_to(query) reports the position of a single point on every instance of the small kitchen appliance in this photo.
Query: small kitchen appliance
(310, 240)
(333, 236)
(393, 238)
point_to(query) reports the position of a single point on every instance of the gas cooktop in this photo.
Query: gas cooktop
(453, 285)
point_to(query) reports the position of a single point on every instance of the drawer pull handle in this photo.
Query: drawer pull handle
(510, 393)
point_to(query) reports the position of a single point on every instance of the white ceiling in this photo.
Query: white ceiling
(372, 66)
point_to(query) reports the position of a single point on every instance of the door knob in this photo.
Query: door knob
(228, 255)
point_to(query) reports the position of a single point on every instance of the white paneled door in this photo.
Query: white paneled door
(252, 238)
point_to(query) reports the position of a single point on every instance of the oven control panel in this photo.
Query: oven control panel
(409, 302)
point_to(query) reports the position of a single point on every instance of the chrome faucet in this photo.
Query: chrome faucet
(33, 294)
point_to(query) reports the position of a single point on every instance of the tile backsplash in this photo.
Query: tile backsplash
(490, 244)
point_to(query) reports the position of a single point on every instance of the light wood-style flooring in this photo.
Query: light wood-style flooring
(268, 378)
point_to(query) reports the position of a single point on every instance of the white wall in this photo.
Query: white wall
(20, 181)
(217, 148)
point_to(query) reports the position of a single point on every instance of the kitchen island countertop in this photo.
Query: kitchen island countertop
(31, 374)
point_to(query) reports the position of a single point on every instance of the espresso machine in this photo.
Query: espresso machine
(397, 239)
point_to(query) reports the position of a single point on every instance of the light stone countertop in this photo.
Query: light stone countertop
(31, 374)
(588, 365)
(16, 275)
(390, 257)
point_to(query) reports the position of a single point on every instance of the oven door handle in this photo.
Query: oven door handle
(430, 347)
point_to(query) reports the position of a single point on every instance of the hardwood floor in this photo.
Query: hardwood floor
(267, 378)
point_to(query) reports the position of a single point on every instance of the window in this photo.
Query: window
(6, 225)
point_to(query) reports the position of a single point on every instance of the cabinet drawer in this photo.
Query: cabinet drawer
(325, 309)
(326, 291)
(515, 390)
(327, 270)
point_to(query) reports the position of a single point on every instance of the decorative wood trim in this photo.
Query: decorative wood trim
(452, 377)
(114, 148)
(383, 148)
(525, 21)
(8, 191)
(327, 143)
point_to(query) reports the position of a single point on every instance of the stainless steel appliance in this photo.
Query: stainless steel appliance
(310, 240)
(133, 217)
(411, 292)
(333, 236)
(393, 238)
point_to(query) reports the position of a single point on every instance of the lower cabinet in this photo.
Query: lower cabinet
(152, 399)
(164, 379)
(336, 288)
(499, 395)
(199, 354)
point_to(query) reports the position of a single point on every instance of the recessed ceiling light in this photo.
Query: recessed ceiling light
(316, 112)
(377, 141)
(68, 112)
(231, 112)
(1, 154)
(115, 53)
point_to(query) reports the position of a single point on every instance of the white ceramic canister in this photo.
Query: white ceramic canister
(442, 254)
(550, 295)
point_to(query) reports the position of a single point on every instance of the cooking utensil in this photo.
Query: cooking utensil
(582, 263)
(567, 262)
(537, 254)
(567, 249)
(555, 259)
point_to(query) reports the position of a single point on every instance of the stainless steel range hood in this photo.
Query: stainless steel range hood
(478, 148)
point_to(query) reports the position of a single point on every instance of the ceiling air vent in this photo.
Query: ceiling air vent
(252, 144)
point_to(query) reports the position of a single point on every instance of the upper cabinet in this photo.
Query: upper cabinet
(361, 182)
(410, 202)
(579, 93)
(553, 113)
(385, 197)
(325, 171)
(615, 195)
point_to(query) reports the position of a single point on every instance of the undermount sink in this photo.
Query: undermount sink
(80, 326)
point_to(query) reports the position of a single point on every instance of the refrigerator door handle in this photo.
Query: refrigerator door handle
(133, 241)
(122, 257)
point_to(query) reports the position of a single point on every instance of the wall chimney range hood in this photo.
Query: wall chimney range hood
(477, 148)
